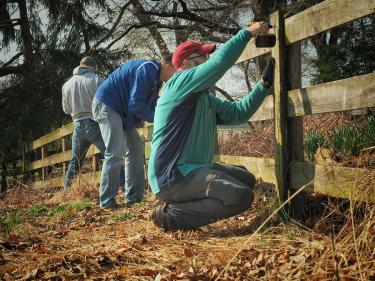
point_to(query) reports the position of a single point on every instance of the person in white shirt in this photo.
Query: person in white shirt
(77, 95)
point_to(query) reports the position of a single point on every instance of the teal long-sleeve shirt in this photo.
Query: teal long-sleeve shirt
(186, 116)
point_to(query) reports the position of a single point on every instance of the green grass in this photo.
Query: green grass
(137, 205)
(123, 217)
(38, 210)
(43, 210)
(10, 220)
(65, 210)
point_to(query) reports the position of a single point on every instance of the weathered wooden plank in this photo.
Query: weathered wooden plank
(145, 133)
(251, 51)
(280, 108)
(265, 111)
(324, 16)
(88, 178)
(314, 20)
(346, 94)
(260, 167)
(52, 136)
(334, 181)
(59, 158)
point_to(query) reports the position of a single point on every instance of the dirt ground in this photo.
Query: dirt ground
(84, 242)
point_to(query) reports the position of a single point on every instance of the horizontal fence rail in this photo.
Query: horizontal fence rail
(346, 94)
(314, 20)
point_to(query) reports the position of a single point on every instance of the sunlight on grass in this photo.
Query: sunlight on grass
(44, 210)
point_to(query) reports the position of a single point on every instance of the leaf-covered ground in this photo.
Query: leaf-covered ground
(56, 236)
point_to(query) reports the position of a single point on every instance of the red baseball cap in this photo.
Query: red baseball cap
(184, 50)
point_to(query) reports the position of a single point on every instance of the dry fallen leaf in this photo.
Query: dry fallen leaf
(188, 252)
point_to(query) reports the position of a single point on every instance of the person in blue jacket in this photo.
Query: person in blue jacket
(122, 102)
(193, 190)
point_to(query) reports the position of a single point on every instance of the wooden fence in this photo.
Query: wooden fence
(287, 107)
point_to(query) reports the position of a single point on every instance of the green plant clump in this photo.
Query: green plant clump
(313, 140)
(367, 130)
(43, 210)
(38, 210)
(65, 209)
(10, 221)
(346, 140)
(123, 217)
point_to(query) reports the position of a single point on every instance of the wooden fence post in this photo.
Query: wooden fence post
(295, 124)
(63, 148)
(43, 169)
(4, 182)
(95, 162)
(280, 108)
(25, 164)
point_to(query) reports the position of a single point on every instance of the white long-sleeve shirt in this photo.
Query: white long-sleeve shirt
(79, 91)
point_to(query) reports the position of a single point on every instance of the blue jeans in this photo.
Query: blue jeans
(85, 133)
(120, 144)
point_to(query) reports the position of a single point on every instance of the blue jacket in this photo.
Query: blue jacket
(132, 91)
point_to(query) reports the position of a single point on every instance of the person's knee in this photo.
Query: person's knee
(252, 180)
(247, 199)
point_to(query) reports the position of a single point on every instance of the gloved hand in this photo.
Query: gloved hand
(267, 75)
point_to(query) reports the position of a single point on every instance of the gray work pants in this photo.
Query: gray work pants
(207, 195)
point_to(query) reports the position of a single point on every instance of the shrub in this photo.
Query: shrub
(313, 140)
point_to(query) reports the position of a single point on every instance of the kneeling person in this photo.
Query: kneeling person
(194, 190)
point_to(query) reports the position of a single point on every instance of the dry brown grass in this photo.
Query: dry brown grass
(77, 191)
(90, 245)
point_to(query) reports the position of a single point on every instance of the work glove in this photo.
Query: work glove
(268, 73)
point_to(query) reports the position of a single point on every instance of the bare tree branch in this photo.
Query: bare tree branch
(143, 17)
(4, 71)
(14, 58)
(114, 26)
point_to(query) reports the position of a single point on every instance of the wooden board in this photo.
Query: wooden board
(52, 136)
(251, 51)
(263, 168)
(334, 181)
(346, 94)
(265, 111)
(58, 158)
(324, 16)
(314, 20)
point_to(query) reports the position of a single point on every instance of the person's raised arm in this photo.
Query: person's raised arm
(207, 74)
